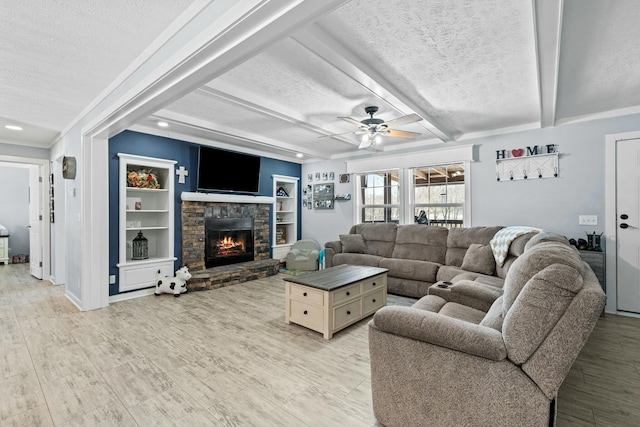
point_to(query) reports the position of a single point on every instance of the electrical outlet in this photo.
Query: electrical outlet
(588, 220)
(112, 279)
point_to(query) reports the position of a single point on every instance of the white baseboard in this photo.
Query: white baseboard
(131, 295)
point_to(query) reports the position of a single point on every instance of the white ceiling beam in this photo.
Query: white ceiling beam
(547, 16)
(230, 134)
(251, 101)
(322, 44)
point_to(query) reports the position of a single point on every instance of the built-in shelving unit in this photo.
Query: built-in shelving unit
(147, 209)
(285, 215)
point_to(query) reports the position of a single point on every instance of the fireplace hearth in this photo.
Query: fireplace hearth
(228, 241)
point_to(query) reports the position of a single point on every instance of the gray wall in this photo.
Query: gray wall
(14, 208)
(553, 203)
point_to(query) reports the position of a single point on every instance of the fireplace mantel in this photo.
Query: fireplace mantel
(226, 198)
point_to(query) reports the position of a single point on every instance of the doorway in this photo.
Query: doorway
(37, 227)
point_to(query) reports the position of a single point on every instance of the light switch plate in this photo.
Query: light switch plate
(588, 220)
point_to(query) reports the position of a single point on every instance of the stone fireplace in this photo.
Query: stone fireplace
(236, 246)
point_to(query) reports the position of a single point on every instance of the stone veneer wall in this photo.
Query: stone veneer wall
(194, 214)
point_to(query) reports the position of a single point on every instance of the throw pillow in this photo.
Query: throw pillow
(479, 259)
(353, 243)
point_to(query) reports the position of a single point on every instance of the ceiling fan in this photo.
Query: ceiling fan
(373, 129)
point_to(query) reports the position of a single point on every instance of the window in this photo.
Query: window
(439, 191)
(380, 195)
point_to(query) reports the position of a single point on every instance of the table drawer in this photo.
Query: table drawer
(306, 294)
(308, 315)
(346, 293)
(372, 301)
(346, 314)
(376, 282)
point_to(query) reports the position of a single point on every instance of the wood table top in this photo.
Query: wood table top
(336, 277)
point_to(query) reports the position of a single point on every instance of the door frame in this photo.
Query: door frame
(610, 221)
(45, 230)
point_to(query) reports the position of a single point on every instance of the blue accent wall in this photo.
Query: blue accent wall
(185, 154)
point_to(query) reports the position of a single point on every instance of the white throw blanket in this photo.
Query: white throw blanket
(503, 238)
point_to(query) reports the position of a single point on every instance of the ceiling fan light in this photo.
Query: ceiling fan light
(377, 139)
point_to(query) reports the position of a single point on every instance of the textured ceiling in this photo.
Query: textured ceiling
(467, 67)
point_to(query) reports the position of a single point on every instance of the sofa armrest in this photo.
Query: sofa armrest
(330, 249)
(314, 255)
(441, 330)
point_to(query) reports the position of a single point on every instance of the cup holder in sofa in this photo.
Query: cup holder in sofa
(444, 285)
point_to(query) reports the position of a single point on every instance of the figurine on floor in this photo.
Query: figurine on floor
(173, 285)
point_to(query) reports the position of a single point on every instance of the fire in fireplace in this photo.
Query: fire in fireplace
(228, 241)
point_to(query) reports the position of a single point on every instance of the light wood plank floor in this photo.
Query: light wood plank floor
(226, 358)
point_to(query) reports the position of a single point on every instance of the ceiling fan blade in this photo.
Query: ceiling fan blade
(355, 132)
(352, 121)
(403, 134)
(411, 118)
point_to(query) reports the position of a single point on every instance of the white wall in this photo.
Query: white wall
(14, 209)
(553, 203)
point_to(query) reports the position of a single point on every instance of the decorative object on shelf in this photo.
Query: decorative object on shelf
(594, 241)
(134, 224)
(332, 176)
(282, 192)
(582, 244)
(281, 235)
(344, 178)
(173, 285)
(323, 196)
(132, 202)
(142, 178)
(140, 247)
(69, 167)
(342, 197)
(182, 173)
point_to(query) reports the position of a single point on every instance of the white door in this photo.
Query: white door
(35, 221)
(628, 224)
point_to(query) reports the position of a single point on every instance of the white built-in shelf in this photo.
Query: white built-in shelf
(284, 229)
(155, 219)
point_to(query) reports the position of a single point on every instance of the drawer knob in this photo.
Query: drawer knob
(374, 300)
(348, 312)
(305, 312)
(374, 283)
(348, 293)
(304, 294)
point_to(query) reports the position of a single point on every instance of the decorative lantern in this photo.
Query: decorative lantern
(140, 247)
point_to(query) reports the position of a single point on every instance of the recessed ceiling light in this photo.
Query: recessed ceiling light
(13, 127)
(299, 155)
(163, 124)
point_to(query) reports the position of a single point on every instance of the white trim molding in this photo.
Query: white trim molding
(186, 196)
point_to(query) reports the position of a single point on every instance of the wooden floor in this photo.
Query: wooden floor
(225, 357)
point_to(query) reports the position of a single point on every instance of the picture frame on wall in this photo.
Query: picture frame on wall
(317, 176)
(332, 176)
(325, 176)
(310, 177)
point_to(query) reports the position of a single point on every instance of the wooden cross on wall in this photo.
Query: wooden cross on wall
(181, 172)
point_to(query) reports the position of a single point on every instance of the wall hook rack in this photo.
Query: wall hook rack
(518, 168)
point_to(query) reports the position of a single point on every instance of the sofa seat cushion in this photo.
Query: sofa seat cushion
(407, 287)
(420, 242)
(356, 259)
(424, 271)
(432, 303)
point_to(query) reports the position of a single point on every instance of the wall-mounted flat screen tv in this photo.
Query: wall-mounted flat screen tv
(228, 171)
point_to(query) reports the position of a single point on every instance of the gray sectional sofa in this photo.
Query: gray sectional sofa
(442, 362)
(418, 256)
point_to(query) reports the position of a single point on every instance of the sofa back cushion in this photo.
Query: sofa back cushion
(421, 242)
(459, 240)
(536, 259)
(379, 238)
(541, 303)
(352, 243)
(516, 248)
